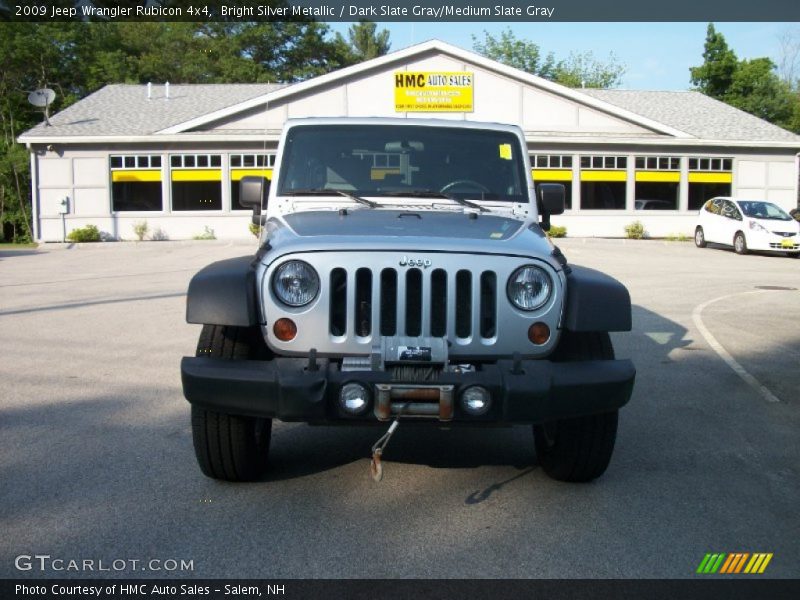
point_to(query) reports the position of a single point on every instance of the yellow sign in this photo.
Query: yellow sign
(433, 91)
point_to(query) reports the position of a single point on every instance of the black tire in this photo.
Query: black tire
(579, 449)
(230, 447)
(739, 243)
(699, 237)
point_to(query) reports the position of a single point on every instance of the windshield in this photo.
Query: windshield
(763, 210)
(402, 160)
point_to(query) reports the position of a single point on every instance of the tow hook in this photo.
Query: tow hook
(375, 466)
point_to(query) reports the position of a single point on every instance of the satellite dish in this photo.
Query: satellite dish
(43, 98)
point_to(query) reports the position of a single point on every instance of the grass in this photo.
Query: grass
(7, 246)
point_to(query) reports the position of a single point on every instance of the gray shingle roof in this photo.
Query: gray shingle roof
(696, 114)
(125, 110)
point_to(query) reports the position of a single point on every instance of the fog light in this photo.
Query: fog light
(539, 333)
(354, 398)
(285, 330)
(475, 400)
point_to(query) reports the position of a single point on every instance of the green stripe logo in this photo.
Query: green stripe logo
(734, 563)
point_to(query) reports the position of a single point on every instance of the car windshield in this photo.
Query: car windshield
(763, 210)
(403, 160)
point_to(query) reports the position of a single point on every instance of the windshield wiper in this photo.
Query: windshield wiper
(436, 194)
(330, 192)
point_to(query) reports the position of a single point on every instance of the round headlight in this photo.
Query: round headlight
(529, 287)
(295, 283)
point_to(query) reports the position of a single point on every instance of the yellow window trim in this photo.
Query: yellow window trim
(196, 175)
(136, 176)
(552, 174)
(604, 175)
(698, 177)
(658, 176)
(377, 173)
(237, 174)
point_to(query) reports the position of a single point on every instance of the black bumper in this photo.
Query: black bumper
(283, 388)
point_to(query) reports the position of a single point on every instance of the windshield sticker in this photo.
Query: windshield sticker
(505, 151)
(496, 235)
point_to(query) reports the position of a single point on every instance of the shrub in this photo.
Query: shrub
(254, 229)
(635, 231)
(678, 237)
(159, 235)
(90, 233)
(208, 234)
(140, 229)
(557, 232)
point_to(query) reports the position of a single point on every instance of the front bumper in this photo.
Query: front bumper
(769, 242)
(283, 388)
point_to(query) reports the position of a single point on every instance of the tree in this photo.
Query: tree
(715, 75)
(578, 70)
(520, 54)
(757, 89)
(366, 41)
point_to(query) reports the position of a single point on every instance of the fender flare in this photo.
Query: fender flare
(224, 293)
(596, 302)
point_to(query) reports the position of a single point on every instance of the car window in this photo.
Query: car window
(763, 210)
(714, 206)
(729, 210)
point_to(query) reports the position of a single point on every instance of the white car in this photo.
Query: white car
(747, 225)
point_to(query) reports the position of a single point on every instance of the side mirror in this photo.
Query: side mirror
(253, 192)
(550, 200)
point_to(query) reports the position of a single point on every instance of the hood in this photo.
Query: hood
(366, 230)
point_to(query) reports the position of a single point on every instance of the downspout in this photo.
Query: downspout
(34, 193)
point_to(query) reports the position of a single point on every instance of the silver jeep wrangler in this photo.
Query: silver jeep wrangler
(404, 273)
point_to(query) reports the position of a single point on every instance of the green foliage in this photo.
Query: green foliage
(757, 89)
(208, 234)
(254, 229)
(141, 228)
(635, 231)
(557, 232)
(366, 41)
(677, 237)
(90, 233)
(715, 75)
(750, 85)
(578, 70)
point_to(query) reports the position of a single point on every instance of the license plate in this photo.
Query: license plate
(787, 243)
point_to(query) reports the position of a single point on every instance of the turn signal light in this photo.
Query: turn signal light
(539, 333)
(285, 330)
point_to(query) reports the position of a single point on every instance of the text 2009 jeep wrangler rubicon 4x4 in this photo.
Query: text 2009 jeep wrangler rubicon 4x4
(404, 273)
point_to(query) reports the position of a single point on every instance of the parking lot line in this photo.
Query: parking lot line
(724, 354)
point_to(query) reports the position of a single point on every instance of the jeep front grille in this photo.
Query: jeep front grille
(422, 309)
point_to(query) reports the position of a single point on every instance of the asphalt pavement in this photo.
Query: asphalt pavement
(96, 458)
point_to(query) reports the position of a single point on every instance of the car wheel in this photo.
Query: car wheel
(578, 449)
(230, 447)
(699, 237)
(739, 243)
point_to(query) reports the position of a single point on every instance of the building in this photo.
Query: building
(173, 155)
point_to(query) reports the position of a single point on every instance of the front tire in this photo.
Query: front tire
(739, 243)
(699, 237)
(230, 447)
(578, 449)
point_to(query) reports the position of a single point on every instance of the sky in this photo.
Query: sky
(657, 56)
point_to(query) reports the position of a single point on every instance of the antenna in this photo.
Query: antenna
(43, 98)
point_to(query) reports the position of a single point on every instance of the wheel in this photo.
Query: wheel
(739, 243)
(230, 447)
(699, 237)
(464, 183)
(578, 449)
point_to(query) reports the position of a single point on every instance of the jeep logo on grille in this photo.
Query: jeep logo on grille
(415, 262)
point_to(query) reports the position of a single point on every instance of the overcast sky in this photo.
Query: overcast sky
(657, 55)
